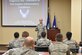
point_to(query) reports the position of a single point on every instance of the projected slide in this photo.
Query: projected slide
(24, 12)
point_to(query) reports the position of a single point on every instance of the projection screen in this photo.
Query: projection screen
(24, 12)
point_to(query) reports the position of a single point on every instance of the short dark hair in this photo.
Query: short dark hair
(43, 34)
(59, 37)
(68, 35)
(25, 34)
(16, 35)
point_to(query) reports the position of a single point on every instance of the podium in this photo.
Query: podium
(51, 33)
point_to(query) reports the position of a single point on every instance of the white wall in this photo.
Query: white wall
(76, 19)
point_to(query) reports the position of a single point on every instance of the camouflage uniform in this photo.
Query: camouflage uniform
(72, 45)
(21, 41)
(14, 44)
(21, 51)
(43, 42)
(17, 43)
(58, 48)
(40, 28)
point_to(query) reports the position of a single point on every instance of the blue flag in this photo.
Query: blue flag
(54, 23)
(48, 25)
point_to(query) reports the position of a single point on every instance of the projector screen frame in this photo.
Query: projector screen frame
(16, 25)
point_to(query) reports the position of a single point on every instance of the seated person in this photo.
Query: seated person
(59, 48)
(72, 43)
(14, 43)
(43, 41)
(21, 40)
(27, 49)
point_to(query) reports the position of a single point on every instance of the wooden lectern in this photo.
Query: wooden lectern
(51, 33)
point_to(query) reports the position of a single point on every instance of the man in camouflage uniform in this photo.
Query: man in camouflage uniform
(59, 48)
(14, 43)
(27, 49)
(72, 43)
(43, 41)
(40, 28)
(21, 40)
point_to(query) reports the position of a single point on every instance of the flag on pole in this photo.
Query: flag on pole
(54, 22)
(48, 25)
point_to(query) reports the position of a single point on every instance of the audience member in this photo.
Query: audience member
(43, 41)
(21, 40)
(27, 49)
(59, 48)
(40, 28)
(72, 43)
(14, 43)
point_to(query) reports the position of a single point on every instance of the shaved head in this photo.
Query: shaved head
(41, 21)
(29, 42)
(59, 37)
